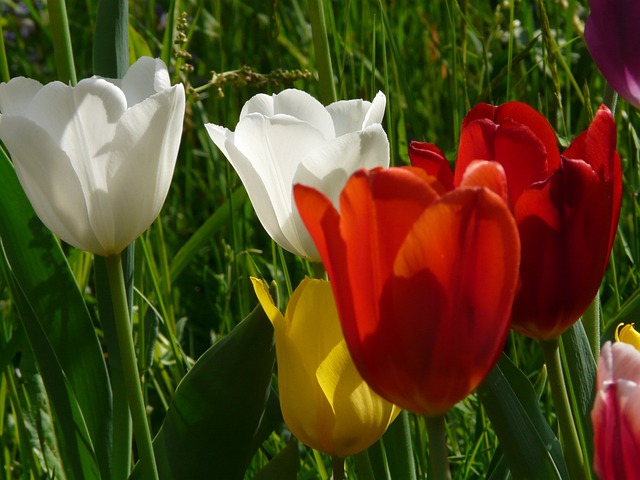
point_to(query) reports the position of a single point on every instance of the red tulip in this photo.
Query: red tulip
(616, 424)
(566, 206)
(423, 282)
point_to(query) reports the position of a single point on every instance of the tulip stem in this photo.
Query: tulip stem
(569, 434)
(137, 407)
(319, 271)
(323, 55)
(337, 464)
(438, 453)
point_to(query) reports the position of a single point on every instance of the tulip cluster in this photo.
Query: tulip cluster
(424, 279)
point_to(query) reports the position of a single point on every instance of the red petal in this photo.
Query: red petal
(524, 114)
(431, 159)
(487, 174)
(564, 230)
(445, 311)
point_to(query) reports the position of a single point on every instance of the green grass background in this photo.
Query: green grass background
(433, 60)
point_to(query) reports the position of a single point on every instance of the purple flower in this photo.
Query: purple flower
(613, 36)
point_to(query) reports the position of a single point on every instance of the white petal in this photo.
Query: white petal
(260, 103)
(142, 160)
(328, 167)
(50, 182)
(16, 95)
(82, 121)
(376, 112)
(353, 115)
(265, 153)
(144, 78)
(220, 136)
(297, 104)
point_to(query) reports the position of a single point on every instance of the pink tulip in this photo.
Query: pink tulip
(616, 423)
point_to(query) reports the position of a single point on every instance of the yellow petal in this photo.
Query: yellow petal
(267, 303)
(628, 334)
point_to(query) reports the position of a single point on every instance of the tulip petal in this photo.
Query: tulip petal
(566, 213)
(253, 183)
(361, 415)
(431, 159)
(377, 209)
(628, 334)
(456, 272)
(597, 147)
(292, 103)
(521, 153)
(368, 149)
(16, 95)
(272, 150)
(612, 37)
(53, 189)
(481, 173)
(353, 115)
(145, 146)
(520, 113)
(146, 77)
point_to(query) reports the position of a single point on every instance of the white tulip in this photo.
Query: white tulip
(290, 138)
(96, 159)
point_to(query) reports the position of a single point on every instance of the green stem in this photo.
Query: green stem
(319, 271)
(62, 48)
(323, 55)
(338, 468)
(130, 368)
(591, 322)
(121, 454)
(569, 434)
(438, 453)
(363, 466)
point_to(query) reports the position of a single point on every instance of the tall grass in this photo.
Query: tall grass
(433, 60)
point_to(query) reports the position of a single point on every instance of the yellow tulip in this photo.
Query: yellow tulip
(325, 402)
(627, 334)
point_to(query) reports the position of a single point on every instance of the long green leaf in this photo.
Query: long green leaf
(216, 419)
(55, 318)
(580, 375)
(529, 445)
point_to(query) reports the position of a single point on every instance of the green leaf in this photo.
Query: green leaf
(284, 466)
(529, 445)
(580, 376)
(399, 449)
(57, 324)
(138, 47)
(216, 419)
